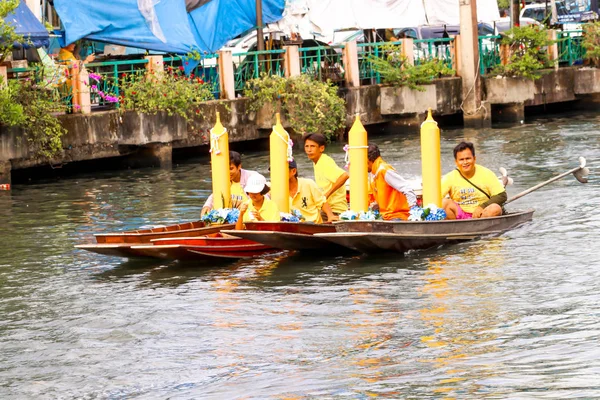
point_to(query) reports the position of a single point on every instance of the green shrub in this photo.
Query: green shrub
(395, 69)
(591, 43)
(311, 106)
(528, 52)
(172, 92)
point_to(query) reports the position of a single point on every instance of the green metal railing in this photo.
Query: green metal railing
(53, 78)
(207, 70)
(570, 48)
(252, 64)
(489, 53)
(368, 50)
(322, 63)
(428, 49)
(104, 78)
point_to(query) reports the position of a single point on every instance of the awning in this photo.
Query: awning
(28, 26)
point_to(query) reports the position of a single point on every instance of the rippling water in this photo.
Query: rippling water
(516, 316)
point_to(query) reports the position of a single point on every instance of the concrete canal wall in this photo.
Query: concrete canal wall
(149, 139)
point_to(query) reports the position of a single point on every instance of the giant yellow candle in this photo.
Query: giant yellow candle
(219, 159)
(431, 168)
(280, 150)
(359, 174)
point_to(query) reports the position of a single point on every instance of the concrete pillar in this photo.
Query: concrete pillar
(509, 113)
(83, 94)
(3, 76)
(473, 113)
(156, 155)
(74, 77)
(292, 61)
(350, 60)
(5, 168)
(226, 75)
(155, 66)
(553, 55)
(407, 50)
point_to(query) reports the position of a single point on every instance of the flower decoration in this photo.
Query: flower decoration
(429, 213)
(221, 216)
(369, 215)
(294, 216)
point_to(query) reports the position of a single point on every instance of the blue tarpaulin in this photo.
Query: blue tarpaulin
(162, 25)
(28, 26)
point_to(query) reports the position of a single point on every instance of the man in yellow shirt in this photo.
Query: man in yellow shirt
(238, 177)
(330, 178)
(258, 207)
(475, 191)
(306, 197)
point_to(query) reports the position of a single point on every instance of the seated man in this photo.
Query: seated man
(306, 197)
(330, 178)
(475, 191)
(393, 194)
(238, 177)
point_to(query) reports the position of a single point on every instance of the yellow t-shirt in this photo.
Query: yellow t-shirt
(238, 196)
(465, 194)
(327, 173)
(308, 200)
(269, 211)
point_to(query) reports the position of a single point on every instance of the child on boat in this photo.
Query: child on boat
(306, 197)
(258, 207)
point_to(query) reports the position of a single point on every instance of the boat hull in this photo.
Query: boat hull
(289, 235)
(120, 244)
(403, 236)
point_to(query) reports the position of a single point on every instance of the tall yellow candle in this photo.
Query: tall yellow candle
(280, 151)
(219, 158)
(431, 168)
(359, 174)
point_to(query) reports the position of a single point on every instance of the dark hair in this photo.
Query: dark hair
(464, 146)
(235, 158)
(315, 137)
(373, 152)
(265, 190)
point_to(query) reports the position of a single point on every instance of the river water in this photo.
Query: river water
(517, 316)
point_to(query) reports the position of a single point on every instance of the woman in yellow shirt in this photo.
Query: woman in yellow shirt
(258, 207)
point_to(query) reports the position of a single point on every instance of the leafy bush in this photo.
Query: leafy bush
(395, 69)
(528, 52)
(311, 106)
(591, 42)
(8, 35)
(31, 107)
(172, 92)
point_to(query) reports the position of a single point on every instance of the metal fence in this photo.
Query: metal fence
(570, 47)
(253, 64)
(489, 53)
(427, 49)
(322, 62)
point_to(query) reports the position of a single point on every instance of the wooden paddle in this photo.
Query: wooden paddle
(580, 173)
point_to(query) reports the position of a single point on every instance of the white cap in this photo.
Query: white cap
(256, 183)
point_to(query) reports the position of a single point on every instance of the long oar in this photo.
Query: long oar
(581, 174)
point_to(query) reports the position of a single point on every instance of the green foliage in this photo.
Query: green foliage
(591, 42)
(528, 52)
(31, 107)
(395, 70)
(311, 106)
(7, 32)
(503, 4)
(172, 92)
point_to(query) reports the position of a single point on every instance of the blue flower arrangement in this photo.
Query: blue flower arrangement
(294, 216)
(360, 216)
(221, 216)
(429, 213)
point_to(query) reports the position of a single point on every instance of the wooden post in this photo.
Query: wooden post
(83, 95)
(504, 54)
(553, 55)
(407, 50)
(155, 65)
(226, 75)
(292, 61)
(3, 76)
(454, 53)
(350, 60)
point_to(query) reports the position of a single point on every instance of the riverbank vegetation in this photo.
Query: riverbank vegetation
(591, 43)
(308, 104)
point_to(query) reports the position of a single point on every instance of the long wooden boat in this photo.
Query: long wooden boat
(215, 246)
(120, 243)
(298, 236)
(401, 236)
